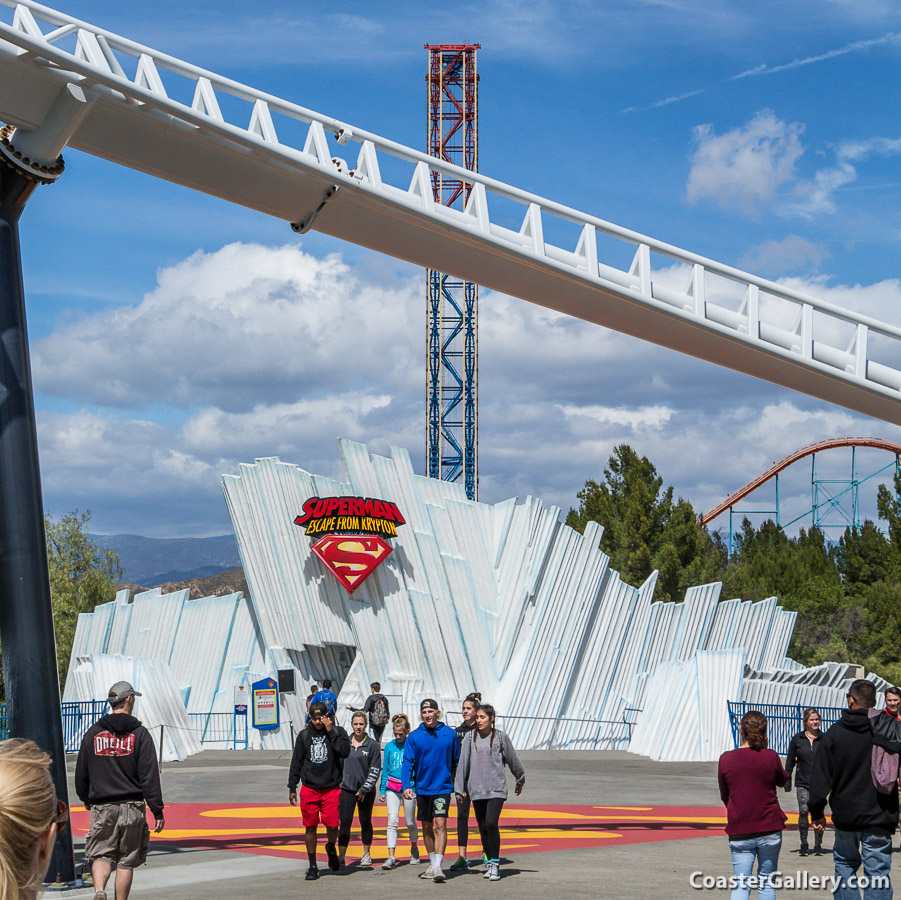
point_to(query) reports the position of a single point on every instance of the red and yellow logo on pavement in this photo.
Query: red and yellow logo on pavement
(277, 830)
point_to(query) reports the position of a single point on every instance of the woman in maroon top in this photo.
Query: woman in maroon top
(748, 778)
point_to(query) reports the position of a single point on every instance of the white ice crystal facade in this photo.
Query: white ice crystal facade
(501, 598)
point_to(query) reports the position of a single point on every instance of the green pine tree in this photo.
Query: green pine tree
(644, 528)
(82, 575)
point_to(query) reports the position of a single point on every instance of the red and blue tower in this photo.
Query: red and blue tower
(453, 334)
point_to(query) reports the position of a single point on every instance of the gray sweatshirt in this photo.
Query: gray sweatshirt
(480, 772)
(362, 767)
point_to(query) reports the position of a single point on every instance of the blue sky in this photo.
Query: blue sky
(175, 336)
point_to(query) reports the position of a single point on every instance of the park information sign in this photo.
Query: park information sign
(351, 546)
(265, 704)
(242, 699)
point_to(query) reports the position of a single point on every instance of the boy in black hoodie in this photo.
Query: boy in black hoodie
(115, 775)
(864, 818)
(318, 763)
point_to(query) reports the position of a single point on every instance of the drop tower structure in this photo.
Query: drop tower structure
(453, 334)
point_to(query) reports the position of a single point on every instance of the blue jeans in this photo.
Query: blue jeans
(765, 850)
(850, 848)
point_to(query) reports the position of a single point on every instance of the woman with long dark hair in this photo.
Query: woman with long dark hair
(470, 707)
(361, 774)
(748, 778)
(481, 776)
(799, 759)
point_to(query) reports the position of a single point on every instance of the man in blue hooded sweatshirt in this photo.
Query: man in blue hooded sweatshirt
(431, 754)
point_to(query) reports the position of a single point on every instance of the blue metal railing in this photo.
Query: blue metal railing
(783, 721)
(77, 719)
(220, 727)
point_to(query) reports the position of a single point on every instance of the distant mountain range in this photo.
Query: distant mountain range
(150, 562)
(229, 582)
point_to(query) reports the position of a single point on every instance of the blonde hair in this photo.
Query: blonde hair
(27, 809)
(359, 714)
(401, 719)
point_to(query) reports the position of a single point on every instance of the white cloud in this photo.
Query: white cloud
(853, 47)
(755, 165)
(666, 101)
(792, 252)
(229, 327)
(743, 168)
(637, 418)
(817, 196)
(556, 394)
(878, 146)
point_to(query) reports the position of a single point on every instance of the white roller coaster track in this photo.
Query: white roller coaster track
(156, 114)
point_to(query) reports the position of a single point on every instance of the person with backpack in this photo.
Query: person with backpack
(326, 696)
(480, 776)
(376, 706)
(864, 818)
(801, 751)
(318, 764)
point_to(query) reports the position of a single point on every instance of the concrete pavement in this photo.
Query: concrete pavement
(653, 866)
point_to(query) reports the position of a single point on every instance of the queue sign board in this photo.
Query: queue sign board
(265, 704)
(242, 700)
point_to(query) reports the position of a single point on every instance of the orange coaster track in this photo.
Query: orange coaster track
(809, 450)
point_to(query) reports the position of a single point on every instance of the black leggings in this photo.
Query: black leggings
(463, 820)
(488, 814)
(346, 804)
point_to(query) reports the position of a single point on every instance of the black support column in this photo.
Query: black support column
(26, 617)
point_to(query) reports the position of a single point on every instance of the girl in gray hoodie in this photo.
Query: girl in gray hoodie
(481, 776)
(358, 787)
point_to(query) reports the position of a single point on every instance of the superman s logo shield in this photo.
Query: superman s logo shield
(351, 558)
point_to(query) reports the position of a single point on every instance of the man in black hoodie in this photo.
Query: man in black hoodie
(318, 763)
(864, 818)
(116, 774)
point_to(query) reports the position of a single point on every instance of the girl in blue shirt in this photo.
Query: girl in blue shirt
(391, 792)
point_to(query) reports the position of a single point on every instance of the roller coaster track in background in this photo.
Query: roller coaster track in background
(66, 82)
(809, 450)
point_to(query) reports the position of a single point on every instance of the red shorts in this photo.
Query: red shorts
(316, 806)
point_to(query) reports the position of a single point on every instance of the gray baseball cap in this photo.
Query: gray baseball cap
(120, 690)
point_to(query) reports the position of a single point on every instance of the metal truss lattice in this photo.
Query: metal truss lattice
(452, 376)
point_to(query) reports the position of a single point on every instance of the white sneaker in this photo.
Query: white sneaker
(389, 863)
(365, 860)
(438, 876)
(493, 871)
(429, 874)
(414, 860)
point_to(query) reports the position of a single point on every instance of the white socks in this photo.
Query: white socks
(438, 858)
